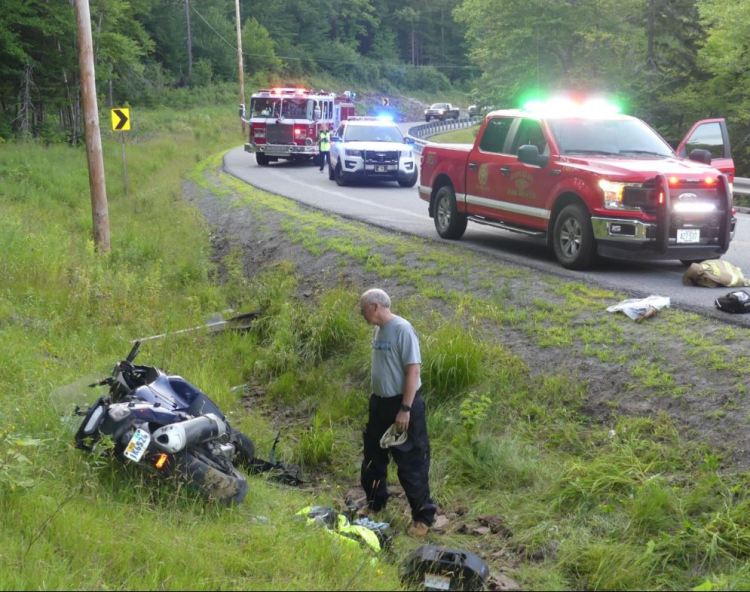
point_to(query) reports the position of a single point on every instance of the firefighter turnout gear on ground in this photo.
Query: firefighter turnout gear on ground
(714, 273)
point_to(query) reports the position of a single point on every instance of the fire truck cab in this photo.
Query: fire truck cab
(284, 122)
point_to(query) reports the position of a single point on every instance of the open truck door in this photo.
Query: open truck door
(710, 135)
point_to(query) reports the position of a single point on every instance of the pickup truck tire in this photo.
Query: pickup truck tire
(448, 222)
(573, 238)
(261, 159)
(338, 174)
(427, 119)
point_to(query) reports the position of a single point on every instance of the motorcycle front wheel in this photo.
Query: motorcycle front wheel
(217, 481)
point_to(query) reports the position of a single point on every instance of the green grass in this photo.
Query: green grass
(621, 504)
(464, 135)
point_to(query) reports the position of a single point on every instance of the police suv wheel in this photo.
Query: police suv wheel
(573, 238)
(409, 181)
(339, 176)
(448, 222)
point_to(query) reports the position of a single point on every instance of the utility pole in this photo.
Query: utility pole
(97, 186)
(239, 60)
(189, 41)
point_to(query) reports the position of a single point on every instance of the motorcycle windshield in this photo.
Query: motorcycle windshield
(176, 393)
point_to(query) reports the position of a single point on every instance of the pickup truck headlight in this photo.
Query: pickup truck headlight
(353, 152)
(612, 191)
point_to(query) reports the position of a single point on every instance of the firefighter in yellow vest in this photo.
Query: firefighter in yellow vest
(324, 145)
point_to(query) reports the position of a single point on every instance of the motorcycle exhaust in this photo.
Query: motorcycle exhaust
(177, 436)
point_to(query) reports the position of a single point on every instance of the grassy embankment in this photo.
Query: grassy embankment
(626, 505)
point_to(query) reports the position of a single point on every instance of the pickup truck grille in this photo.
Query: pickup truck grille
(381, 157)
(279, 133)
(707, 222)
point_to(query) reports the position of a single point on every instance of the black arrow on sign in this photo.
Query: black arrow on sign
(123, 119)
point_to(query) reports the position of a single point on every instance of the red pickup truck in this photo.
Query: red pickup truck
(589, 180)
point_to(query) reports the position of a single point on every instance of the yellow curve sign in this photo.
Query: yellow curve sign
(121, 119)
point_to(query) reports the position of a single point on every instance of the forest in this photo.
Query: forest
(669, 62)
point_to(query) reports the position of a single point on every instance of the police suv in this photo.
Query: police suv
(371, 148)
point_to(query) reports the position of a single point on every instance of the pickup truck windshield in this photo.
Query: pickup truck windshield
(362, 133)
(620, 137)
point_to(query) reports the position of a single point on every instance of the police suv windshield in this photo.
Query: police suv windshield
(372, 133)
(609, 137)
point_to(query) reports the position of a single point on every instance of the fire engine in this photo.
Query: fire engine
(284, 122)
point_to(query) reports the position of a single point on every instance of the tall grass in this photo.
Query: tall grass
(75, 521)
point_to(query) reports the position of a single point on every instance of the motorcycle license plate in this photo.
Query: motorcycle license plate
(436, 582)
(688, 235)
(137, 446)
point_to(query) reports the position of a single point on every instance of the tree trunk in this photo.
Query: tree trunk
(25, 107)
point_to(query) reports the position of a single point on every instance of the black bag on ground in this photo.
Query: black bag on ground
(737, 302)
(438, 568)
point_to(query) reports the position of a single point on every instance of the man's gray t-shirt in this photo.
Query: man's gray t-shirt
(394, 345)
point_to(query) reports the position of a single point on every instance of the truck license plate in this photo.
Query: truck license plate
(436, 582)
(688, 235)
(380, 168)
(137, 446)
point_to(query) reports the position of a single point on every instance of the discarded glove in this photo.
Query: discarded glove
(638, 309)
(392, 437)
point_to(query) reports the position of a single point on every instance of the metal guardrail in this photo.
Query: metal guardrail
(419, 132)
(741, 186)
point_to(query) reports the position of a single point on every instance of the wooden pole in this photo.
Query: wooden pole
(189, 41)
(239, 59)
(97, 186)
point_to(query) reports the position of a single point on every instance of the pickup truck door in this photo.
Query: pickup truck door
(711, 135)
(485, 181)
(504, 188)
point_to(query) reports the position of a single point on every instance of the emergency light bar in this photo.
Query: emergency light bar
(566, 106)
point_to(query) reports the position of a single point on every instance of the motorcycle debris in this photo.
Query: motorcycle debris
(240, 322)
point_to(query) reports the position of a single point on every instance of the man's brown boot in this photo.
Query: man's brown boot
(418, 529)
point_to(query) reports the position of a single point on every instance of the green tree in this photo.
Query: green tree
(258, 48)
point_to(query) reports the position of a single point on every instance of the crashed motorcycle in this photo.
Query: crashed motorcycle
(166, 425)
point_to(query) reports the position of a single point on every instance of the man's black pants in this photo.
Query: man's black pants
(412, 458)
(324, 157)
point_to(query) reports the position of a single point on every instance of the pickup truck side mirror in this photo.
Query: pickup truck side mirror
(529, 154)
(700, 155)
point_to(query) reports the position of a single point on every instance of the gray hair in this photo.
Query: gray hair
(377, 296)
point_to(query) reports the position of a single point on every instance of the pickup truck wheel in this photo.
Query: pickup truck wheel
(427, 119)
(448, 222)
(573, 238)
(339, 176)
(261, 159)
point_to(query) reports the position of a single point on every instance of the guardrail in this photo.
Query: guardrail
(419, 132)
(741, 186)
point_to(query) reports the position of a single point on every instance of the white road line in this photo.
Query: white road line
(289, 179)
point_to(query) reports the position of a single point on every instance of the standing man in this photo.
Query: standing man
(324, 145)
(396, 400)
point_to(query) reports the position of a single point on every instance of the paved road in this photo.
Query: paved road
(389, 206)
